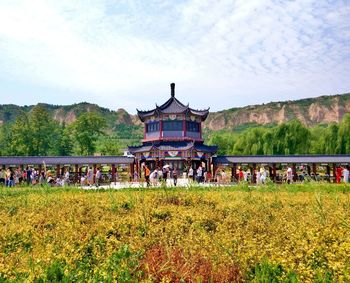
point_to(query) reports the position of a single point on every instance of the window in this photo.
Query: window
(172, 125)
(192, 126)
(152, 127)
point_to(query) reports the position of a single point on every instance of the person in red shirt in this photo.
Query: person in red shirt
(339, 173)
(240, 175)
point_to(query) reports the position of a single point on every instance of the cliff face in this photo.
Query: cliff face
(313, 111)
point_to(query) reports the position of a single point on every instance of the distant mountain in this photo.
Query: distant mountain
(311, 112)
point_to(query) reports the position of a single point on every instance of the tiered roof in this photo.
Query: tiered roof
(172, 106)
(173, 145)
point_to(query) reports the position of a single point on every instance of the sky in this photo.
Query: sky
(125, 54)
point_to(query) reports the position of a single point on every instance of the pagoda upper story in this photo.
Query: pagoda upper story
(173, 121)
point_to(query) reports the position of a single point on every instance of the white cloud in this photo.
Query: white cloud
(117, 52)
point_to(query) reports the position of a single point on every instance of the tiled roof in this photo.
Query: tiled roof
(172, 106)
(287, 159)
(54, 160)
(173, 145)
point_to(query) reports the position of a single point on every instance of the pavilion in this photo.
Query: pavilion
(173, 136)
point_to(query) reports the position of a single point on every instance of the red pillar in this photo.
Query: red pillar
(76, 170)
(314, 169)
(294, 170)
(334, 173)
(95, 169)
(328, 169)
(254, 173)
(113, 173)
(131, 171)
(137, 169)
(233, 172)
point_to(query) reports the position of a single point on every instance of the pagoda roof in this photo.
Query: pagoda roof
(173, 145)
(172, 106)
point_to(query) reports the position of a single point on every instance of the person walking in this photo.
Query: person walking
(28, 175)
(346, 175)
(339, 173)
(175, 176)
(2, 177)
(147, 173)
(98, 176)
(190, 174)
(90, 176)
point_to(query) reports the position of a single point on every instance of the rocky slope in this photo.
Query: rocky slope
(312, 111)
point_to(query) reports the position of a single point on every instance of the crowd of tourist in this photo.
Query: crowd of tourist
(11, 177)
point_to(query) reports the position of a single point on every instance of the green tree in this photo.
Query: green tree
(21, 142)
(5, 139)
(344, 136)
(86, 130)
(64, 141)
(251, 142)
(109, 146)
(291, 138)
(43, 129)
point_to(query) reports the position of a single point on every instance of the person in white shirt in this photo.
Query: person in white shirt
(346, 175)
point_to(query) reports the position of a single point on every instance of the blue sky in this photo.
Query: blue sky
(124, 54)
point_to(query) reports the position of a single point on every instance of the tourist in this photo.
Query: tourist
(165, 170)
(208, 176)
(199, 174)
(339, 173)
(289, 174)
(346, 175)
(65, 180)
(263, 175)
(98, 176)
(175, 176)
(240, 175)
(28, 175)
(218, 175)
(154, 177)
(147, 173)
(258, 177)
(82, 180)
(190, 174)
(2, 177)
(90, 176)
(10, 178)
(42, 178)
(223, 176)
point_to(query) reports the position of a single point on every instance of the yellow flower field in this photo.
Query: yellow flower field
(236, 234)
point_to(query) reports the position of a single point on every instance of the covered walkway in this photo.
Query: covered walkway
(312, 165)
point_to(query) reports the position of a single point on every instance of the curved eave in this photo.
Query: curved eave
(201, 113)
(144, 114)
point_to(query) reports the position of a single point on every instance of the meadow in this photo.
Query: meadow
(295, 233)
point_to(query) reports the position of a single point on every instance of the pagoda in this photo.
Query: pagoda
(173, 136)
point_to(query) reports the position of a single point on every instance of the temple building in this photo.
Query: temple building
(173, 136)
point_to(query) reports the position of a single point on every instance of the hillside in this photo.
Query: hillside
(312, 111)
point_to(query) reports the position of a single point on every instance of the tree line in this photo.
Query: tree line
(38, 134)
(287, 138)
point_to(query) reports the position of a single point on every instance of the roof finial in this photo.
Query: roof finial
(172, 86)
